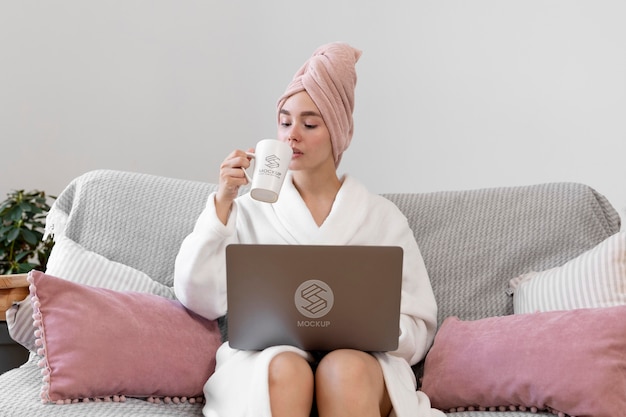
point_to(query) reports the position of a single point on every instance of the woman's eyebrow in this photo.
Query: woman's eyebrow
(304, 113)
(310, 113)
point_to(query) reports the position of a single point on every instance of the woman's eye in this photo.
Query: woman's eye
(285, 124)
(310, 126)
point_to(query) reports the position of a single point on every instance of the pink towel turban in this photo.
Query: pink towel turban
(329, 77)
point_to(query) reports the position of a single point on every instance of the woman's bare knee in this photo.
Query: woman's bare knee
(289, 366)
(291, 385)
(349, 365)
(351, 382)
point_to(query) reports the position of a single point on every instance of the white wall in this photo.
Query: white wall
(451, 94)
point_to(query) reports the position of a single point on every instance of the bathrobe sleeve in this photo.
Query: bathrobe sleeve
(200, 266)
(418, 320)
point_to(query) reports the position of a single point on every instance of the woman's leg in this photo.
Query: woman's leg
(291, 385)
(351, 383)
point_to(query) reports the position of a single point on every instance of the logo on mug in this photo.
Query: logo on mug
(272, 161)
(314, 298)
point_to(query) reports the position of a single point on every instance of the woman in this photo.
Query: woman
(315, 206)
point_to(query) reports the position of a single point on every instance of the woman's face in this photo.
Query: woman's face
(301, 125)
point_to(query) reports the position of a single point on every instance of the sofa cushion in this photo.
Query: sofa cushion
(571, 362)
(75, 263)
(596, 278)
(97, 343)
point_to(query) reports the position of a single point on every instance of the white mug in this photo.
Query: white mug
(271, 161)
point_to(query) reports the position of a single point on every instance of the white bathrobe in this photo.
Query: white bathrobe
(239, 386)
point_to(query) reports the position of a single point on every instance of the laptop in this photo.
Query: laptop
(314, 297)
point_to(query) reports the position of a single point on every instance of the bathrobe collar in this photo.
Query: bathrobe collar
(346, 216)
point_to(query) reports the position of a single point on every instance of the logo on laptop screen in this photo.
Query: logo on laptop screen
(314, 298)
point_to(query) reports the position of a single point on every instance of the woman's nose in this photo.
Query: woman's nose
(294, 135)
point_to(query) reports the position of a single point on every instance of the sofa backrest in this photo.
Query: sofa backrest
(473, 242)
(135, 219)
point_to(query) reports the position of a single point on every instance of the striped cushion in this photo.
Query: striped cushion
(597, 278)
(71, 261)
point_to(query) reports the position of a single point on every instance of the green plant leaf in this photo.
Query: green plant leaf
(26, 206)
(13, 234)
(29, 236)
(25, 267)
(15, 213)
(21, 255)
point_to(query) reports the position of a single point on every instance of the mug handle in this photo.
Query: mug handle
(252, 156)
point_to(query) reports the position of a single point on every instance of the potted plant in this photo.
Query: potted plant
(22, 227)
(22, 248)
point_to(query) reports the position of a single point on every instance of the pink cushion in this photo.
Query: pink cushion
(573, 362)
(100, 343)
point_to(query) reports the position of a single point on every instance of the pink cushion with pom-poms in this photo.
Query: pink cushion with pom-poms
(565, 362)
(107, 345)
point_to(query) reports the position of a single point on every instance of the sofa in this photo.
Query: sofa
(110, 275)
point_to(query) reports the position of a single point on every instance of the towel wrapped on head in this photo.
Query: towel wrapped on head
(329, 77)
